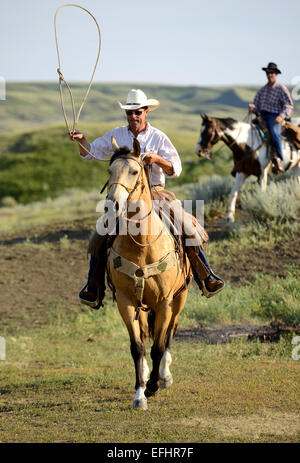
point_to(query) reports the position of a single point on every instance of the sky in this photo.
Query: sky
(179, 42)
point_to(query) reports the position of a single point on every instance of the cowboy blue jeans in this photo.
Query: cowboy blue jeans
(275, 131)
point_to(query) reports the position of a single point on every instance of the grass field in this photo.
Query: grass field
(68, 374)
(72, 381)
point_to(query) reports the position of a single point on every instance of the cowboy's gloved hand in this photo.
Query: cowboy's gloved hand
(150, 157)
(251, 107)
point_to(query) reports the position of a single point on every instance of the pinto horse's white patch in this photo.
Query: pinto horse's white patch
(243, 133)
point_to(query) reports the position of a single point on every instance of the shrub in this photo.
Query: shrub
(279, 203)
(8, 201)
(213, 190)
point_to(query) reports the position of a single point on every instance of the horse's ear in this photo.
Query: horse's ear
(204, 116)
(136, 148)
(114, 145)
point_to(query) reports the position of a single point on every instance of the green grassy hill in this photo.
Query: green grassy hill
(31, 105)
(37, 159)
(42, 163)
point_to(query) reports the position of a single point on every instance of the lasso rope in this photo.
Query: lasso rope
(62, 79)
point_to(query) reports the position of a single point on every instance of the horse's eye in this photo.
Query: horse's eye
(134, 172)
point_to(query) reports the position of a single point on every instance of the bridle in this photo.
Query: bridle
(217, 132)
(130, 191)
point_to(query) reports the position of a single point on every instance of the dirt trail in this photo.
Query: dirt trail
(51, 268)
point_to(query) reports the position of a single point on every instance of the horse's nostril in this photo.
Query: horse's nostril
(117, 206)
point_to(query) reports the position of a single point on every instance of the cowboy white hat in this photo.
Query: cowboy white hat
(136, 99)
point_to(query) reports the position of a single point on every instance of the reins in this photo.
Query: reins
(223, 137)
(63, 80)
(248, 118)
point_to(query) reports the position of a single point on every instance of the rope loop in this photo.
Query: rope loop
(62, 79)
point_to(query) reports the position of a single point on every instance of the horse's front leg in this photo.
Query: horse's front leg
(239, 181)
(161, 323)
(137, 347)
(141, 371)
(165, 375)
(264, 177)
(166, 378)
(296, 171)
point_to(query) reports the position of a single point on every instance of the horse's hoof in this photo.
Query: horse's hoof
(149, 393)
(140, 404)
(166, 382)
(229, 219)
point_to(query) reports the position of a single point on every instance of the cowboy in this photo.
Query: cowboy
(273, 104)
(161, 155)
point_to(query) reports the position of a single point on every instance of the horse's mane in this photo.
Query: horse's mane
(229, 122)
(122, 152)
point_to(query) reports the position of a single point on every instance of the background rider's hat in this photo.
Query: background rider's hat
(272, 67)
(137, 99)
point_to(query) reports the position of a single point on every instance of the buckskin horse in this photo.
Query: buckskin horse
(145, 272)
(251, 154)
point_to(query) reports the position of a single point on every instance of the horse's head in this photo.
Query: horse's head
(210, 134)
(126, 175)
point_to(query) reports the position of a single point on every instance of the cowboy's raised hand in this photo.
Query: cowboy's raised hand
(251, 107)
(76, 135)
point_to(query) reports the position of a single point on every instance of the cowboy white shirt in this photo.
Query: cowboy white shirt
(151, 139)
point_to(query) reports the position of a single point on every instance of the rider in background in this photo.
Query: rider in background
(273, 103)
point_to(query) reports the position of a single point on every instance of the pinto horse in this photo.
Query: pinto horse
(251, 154)
(145, 272)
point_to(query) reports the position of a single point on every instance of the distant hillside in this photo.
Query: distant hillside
(42, 163)
(37, 159)
(32, 105)
(229, 98)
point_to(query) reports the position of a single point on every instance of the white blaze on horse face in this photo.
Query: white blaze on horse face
(118, 196)
(200, 140)
(122, 182)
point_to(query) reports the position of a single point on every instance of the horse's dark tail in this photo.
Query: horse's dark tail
(151, 321)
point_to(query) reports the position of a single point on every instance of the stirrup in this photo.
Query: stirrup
(205, 291)
(93, 304)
